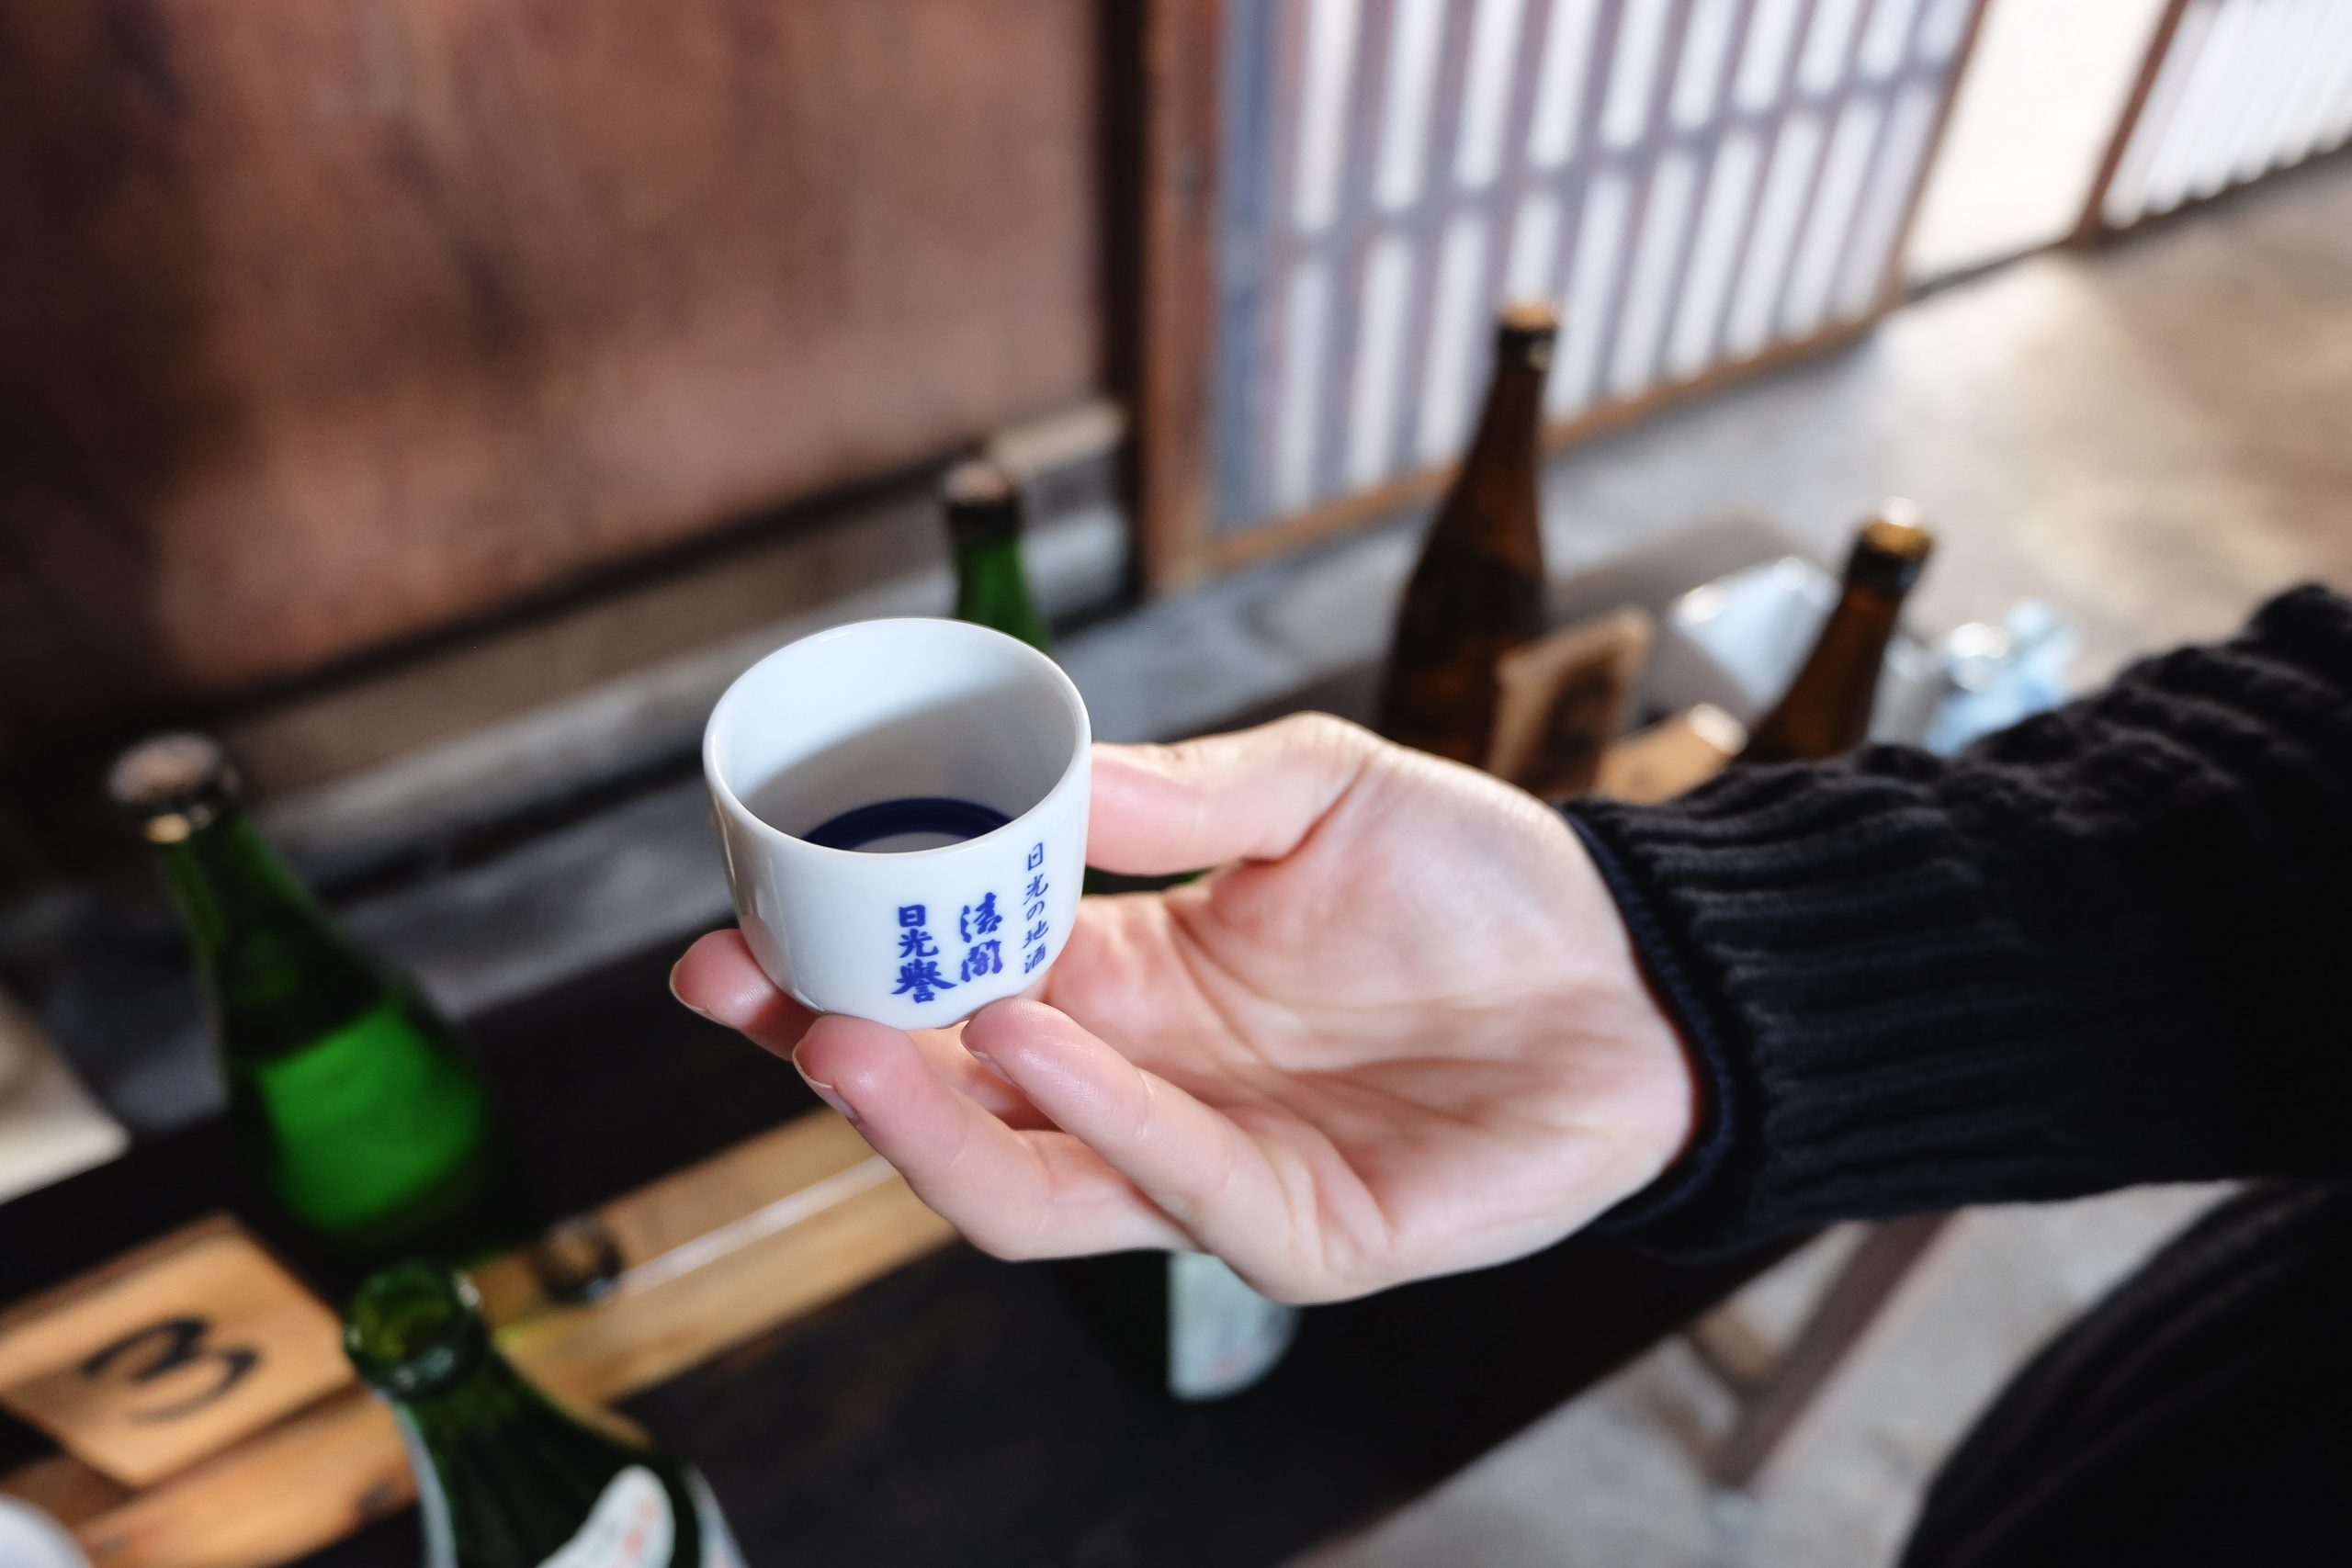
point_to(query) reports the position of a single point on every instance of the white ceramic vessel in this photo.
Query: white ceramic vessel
(902, 805)
(30, 1538)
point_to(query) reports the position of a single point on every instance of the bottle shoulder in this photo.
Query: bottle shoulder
(539, 1485)
(279, 1011)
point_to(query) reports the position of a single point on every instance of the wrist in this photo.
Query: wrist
(1684, 1027)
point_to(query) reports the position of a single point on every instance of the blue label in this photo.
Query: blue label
(919, 974)
(983, 926)
(1033, 940)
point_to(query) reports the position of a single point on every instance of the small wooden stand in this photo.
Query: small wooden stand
(1778, 1393)
(1561, 699)
(1671, 756)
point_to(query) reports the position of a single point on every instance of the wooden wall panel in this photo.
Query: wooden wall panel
(1170, 54)
(323, 323)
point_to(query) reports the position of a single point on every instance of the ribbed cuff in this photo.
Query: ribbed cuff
(1672, 974)
(1828, 961)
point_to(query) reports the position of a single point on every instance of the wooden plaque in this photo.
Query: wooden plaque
(170, 1353)
(1562, 699)
(1672, 755)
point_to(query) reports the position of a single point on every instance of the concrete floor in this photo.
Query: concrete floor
(2152, 437)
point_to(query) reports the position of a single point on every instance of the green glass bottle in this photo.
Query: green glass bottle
(505, 1477)
(984, 509)
(362, 1112)
(1180, 1322)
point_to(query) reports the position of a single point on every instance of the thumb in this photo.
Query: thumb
(1252, 794)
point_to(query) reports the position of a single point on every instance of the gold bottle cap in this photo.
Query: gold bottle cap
(980, 497)
(1891, 550)
(1525, 331)
(174, 784)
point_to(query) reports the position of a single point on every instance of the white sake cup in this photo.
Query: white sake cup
(873, 734)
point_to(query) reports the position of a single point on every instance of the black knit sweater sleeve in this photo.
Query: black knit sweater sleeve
(2108, 947)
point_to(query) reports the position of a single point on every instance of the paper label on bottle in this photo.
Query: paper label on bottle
(1222, 1336)
(719, 1547)
(440, 1546)
(630, 1526)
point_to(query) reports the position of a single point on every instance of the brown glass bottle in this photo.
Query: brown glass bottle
(1478, 590)
(1826, 709)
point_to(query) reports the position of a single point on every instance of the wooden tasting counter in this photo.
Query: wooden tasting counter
(857, 1385)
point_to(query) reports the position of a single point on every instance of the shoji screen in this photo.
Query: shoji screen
(2237, 88)
(1700, 183)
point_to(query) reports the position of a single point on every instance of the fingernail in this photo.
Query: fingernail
(827, 1093)
(682, 1001)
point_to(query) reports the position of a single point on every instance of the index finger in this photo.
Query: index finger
(718, 979)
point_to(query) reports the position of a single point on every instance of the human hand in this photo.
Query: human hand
(1398, 1033)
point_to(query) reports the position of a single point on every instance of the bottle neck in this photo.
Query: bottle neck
(992, 588)
(1511, 422)
(225, 879)
(275, 965)
(1826, 709)
(1497, 478)
(486, 1399)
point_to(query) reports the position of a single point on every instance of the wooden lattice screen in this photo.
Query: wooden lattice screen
(1702, 183)
(2234, 90)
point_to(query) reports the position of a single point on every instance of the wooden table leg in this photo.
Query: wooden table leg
(1880, 1276)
